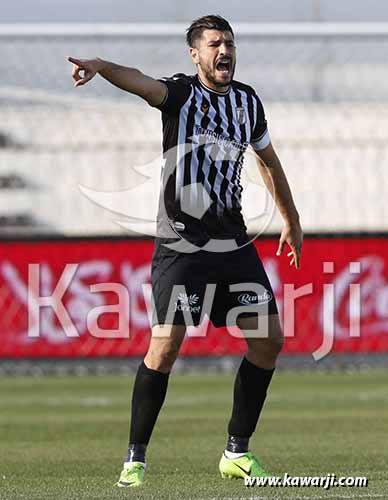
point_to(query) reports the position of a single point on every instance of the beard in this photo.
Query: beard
(218, 81)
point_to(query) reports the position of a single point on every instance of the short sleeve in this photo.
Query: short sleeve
(260, 138)
(178, 91)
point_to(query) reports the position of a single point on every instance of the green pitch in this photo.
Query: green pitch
(65, 438)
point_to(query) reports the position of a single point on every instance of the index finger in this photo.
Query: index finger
(74, 60)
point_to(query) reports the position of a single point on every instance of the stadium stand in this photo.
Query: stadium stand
(327, 109)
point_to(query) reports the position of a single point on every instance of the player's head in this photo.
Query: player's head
(212, 49)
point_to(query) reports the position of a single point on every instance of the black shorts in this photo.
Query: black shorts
(185, 286)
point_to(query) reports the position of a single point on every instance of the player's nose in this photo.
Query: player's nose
(225, 50)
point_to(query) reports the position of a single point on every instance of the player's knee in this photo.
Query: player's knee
(264, 352)
(277, 342)
(162, 359)
(266, 355)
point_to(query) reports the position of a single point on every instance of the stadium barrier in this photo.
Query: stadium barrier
(323, 86)
(336, 275)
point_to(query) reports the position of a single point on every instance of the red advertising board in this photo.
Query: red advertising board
(336, 275)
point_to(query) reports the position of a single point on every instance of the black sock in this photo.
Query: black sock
(136, 452)
(148, 396)
(237, 444)
(250, 390)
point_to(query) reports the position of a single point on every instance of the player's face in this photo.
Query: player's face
(215, 57)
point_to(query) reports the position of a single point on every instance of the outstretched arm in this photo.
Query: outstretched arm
(130, 79)
(276, 181)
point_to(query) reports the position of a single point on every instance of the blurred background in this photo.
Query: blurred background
(320, 69)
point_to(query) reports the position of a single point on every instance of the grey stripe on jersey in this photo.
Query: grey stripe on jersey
(245, 137)
(227, 124)
(182, 145)
(212, 140)
(194, 163)
(238, 138)
(218, 156)
(211, 152)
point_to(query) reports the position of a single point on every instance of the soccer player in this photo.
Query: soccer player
(209, 120)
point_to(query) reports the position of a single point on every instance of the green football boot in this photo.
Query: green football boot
(239, 468)
(132, 475)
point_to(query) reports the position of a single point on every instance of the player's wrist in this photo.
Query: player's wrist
(292, 222)
(100, 64)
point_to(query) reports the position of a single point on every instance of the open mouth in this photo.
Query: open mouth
(224, 66)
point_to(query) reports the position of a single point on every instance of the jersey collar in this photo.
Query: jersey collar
(212, 90)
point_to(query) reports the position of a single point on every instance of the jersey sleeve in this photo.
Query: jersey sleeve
(260, 138)
(178, 91)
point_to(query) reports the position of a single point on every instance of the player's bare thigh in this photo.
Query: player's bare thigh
(264, 348)
(164, 346)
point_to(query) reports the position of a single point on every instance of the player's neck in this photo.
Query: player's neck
(212, 86)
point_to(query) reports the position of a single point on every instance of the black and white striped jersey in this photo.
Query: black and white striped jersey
(205, 136)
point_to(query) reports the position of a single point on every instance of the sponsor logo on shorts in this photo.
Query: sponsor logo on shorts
(247, 299)
(187, 302)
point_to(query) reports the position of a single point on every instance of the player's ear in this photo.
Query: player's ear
(194, 54)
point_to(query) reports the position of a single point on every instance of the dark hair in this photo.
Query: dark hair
(194, 31)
